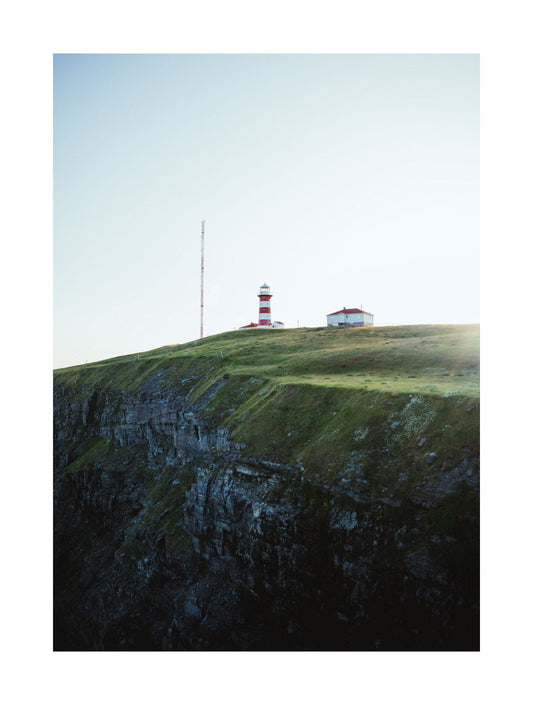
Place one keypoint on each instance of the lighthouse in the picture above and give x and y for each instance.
(264, 306)
(265, 318)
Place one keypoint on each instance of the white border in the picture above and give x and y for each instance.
(31, 33)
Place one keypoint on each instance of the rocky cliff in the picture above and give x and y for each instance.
(175, 530)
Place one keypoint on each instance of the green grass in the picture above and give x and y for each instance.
(428, 359)
(319, 396)
(167, 495)
(89, 453)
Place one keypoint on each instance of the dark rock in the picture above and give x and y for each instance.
(167, 538)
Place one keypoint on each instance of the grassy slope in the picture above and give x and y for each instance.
(321, 396)
(434, 359)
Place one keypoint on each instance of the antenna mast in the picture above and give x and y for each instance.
(202, 284)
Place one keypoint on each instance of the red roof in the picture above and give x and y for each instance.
(348, 310)
(256, 325)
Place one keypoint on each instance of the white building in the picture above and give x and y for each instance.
(347, 317)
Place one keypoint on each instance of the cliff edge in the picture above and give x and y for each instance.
(307, 489)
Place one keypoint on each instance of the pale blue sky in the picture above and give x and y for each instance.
(340, 180)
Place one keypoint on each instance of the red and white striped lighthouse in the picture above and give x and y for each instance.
(264, 306)
(265, 320)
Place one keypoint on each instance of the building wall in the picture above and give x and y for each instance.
(351, 319)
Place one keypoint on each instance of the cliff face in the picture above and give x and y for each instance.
(167, 539)
(170, 534)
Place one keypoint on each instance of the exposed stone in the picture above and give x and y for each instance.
(171, 539)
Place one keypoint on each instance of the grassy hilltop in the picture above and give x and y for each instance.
(319, 396)
(425, 359)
